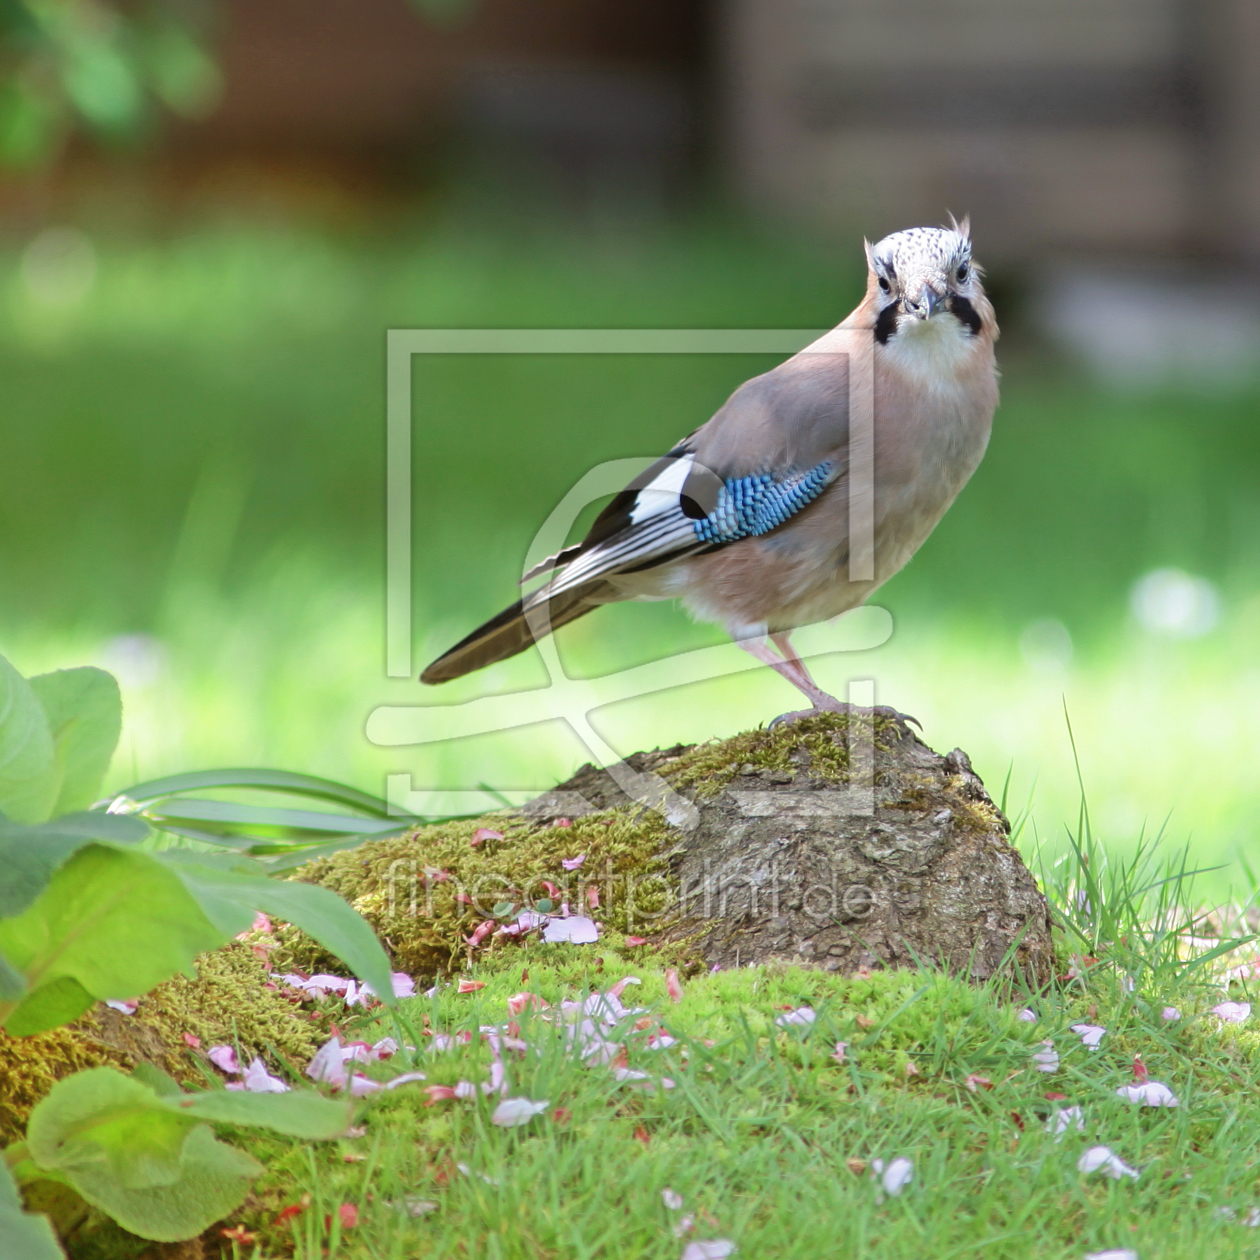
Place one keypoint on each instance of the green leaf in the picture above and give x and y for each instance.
(30, 855)
(319, 912)
(502, 908)
(29, 777)
(262, 780)
(157, 1080)
(84, 712)
(102, 1118)
(544, 905)
(264, 821)
(301, 1113)
(49, 1006)
(115, 922)
(21, 1234)
(12, 982)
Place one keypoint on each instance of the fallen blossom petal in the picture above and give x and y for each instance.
(405, 1079)
(672, 1200)
(632, 1078)
(572, 864)
(660, 1040)
(1232, 1012)
(402, 984)
(562, 822)
(673, 985)
(1149, 1094)
(512, 1112)
(192, 1041)
(349, 1215)
(1170, 1015)
(592, 896)
(636, 940)
(896, 1176)
(482, 834)
(239, 1234)
(1103, 1159)
(1064, 1119)
(976, 1083)
(286, 1214)
(418, 1207)
(1090, 1034)
(1047, 1058)
(224, 1058)
(439, 1093)
(470, 986)
(1027, 1016)
(521, 1001)
(620, 987)
(386, 1048)
(465, 1089)
(713, 1249)
(259, 1081)
(801, 1017)
(480, 932)
(1140, 1073)
(360, 1086)
(1117, 1253)
(468, 1172)
(841, 1048)
(328, 1065)
(577, 930)
(125, 1006)
(683, 1226)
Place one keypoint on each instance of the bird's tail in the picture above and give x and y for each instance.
(515, 629)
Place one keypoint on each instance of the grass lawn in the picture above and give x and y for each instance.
(734, 1118)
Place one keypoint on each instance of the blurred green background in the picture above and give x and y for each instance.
(192, 467)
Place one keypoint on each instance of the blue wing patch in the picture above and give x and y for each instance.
(749, 506)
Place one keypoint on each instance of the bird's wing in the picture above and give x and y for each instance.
(775, 446)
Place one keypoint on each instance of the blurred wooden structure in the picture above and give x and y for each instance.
(1101, 125)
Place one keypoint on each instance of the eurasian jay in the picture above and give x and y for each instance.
(747, 520)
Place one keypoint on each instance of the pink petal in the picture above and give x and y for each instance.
(552, 891)
(360, 1085)
(976, 1083)
(713, 1249)
(261, 922)
(259, 1081)
(512, 1112)
(403, 984)
(1047, 1058)
(192, 1041)
(224, 1058)
(673, 985)
(405, 1079)
(127, 1006)
(802, 1017)
(386, 1048)
(519, 1001)
(562, 822)
(470, 986)
(592, 896)
(620, 987)
(841, 1047)
(328, 1065)
(1090, 1034)
(1149, 1094)
(1232, 1012)
(349, 1215)
(465, 1089)
(571, 864)
(636, 940)
(1027, 1016)
(1104, 1159)
(480, 932)
(1170, 1015)
(672, 1200)
(439, 1093)
(482, 834)
(577, 930)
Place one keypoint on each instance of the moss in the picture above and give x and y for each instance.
(813, 747)
(424, 892)
(31, 1066)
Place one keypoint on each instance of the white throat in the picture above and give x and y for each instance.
(933, 350)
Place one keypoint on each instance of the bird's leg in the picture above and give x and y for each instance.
(791, 667)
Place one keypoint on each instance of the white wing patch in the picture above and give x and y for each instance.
(663, 492)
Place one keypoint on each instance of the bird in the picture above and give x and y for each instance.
(746, 521)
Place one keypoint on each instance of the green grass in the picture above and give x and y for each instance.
(769, 1140)
(194, 454)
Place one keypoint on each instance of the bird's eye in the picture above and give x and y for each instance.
(883, 284)
(962, 271)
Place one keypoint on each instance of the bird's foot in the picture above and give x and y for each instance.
(841, 706)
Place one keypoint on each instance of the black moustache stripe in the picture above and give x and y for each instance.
(965, 313)
(886, 324)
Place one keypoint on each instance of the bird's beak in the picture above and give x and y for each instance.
(926, 304)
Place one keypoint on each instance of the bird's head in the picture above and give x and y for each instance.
(923, 275)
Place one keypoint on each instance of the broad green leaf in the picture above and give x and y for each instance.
(319, 912)
(29, 776)
(213, 1182)
(49, 1006)
(21, 1234)
(260, 780)
(30, 855)
(101, 1118)
(301, 1113)
(116, 922)
(84, 712)
(158, 1081)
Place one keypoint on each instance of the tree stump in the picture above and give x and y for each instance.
(841, 844)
